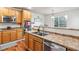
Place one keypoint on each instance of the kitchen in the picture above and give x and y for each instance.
(39, 29)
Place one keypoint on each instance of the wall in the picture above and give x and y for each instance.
(72, 21)
(48, 21)
(41, 21)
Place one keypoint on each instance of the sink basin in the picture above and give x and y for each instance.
(41, 33)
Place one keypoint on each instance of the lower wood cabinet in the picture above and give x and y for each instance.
(26, 40)
(19, 33)
(10, 35)
(34, 43)
(38, 46)
(31, 43)
(13, 35)
(6, 36)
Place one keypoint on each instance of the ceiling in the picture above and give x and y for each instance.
(50, 10)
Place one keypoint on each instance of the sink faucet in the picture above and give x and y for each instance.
(40, 29)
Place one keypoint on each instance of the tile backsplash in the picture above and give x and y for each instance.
(4, 25)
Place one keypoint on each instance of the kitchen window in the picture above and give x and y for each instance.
(60, 21)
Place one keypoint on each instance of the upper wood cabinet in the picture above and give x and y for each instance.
(18, 17)
(12, 12)
(0, 37)
(5, 11)
(29, 15)
(26, 15)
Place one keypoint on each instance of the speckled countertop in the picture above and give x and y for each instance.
(68, 42)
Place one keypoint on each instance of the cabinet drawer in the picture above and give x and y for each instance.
(38, 39)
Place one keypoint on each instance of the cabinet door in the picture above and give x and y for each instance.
(25, 15)
(5, 11)
(11, 12)
(31, 37)
(6, 36)
(29, 15)
(18, 17)
(26, 39)
(13, 35)
(19, 34)
(38, 46)
(0, 37)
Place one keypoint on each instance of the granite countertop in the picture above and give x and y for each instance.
(68, 42)
(1, 29)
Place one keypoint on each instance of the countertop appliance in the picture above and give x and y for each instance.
(6, 19)
(9, 19)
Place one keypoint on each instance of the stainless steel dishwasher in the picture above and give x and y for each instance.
(51, 46)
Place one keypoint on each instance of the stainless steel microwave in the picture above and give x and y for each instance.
(8, 19)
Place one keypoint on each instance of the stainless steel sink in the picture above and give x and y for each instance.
(41, 33)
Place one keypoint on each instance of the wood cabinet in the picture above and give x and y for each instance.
(13, 35)
(26, 15)
(5, 11)
(38, 44)
(19, 33)
(34, 43)
(6, 36)
(31, 38)
(29, 15)
(11, 12)
(21, 15)
(10, 35)
(27, 40)
(0, 37)
(18, 17)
